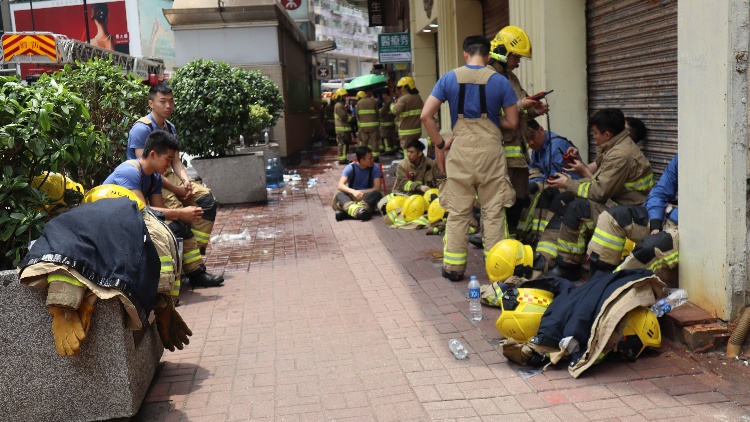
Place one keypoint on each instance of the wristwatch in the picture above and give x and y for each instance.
(441, 145)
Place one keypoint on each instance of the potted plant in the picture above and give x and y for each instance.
(216, 103)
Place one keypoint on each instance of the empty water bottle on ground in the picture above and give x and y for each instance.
(458, 349)
(475, 306)
(675, 298)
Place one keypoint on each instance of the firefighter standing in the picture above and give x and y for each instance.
(369, 124)
(388, 135)
(330, 122)
(407, 108)
(509, 45)
(342, 120)
(477, 96)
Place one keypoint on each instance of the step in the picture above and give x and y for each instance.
(695, 328)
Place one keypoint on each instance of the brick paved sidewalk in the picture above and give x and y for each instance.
(322, 320)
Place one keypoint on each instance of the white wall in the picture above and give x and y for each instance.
(255, 45)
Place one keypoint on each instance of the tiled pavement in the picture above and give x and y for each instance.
(322, 320)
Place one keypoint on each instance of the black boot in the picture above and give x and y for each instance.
(452, 275)
(364, 214)
(597, 265)
(565, 270)
(341, 215)
(476, 240)
(204, 279)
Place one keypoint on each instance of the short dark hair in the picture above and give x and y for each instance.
(608, 120)
(159, 89)
(638, 129)
(477, 44)
(416, 144)
(533, 124)
(160, 141)
(362, 151)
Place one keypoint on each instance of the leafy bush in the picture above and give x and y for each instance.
(43, 127)
(114, 101)
(259, 119)
(213, 103)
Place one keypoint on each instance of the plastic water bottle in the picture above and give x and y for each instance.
(475, 306)
(271, 179)
(675, 298)
(458, 349)
(278, 173)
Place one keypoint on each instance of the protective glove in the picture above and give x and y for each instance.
(172, 329)
(67, 329)
(533, 188)
(85, 309)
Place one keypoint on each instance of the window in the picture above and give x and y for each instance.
(344, 66)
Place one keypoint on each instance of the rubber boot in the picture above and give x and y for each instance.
(341, 215)
(476, 240)
(565, 270)
(364, 214)
(597, 265)
(452, 275)
(203, 279)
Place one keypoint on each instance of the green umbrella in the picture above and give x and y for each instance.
(366, 83)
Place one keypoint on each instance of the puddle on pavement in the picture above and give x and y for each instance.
(268, 233)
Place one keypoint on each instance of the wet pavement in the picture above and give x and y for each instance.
(324, 321)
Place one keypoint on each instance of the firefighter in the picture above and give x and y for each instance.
(623, 177)
(509, 45)
(418, 173)
(359, 188)
(653, 227)
(180, 191)
(330, 123)
(388, 135)
(369, 124)
(342, 119)
(407, 107)
(143, 178)
(478, 97)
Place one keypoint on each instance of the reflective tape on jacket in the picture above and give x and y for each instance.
(166, 264)
(360, 112)
(576, 248)
(583, 190)
(343, 128)
(191, 256)
(643, 184)
(64, 278)
(407, 113)
(200, 237)
(387, 124)
(548, 248)
(407, 132)
(670, 260)
(513, 151)
(175, 291)
(368, 124)
(607, 240)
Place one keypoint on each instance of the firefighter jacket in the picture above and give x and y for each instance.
(514, 141)
(342, 118)
(407, 110)
(386, 117)
(108, 243)
(367, 114)
(328, 113)
(410, 177)
(662, 196)
(623, 175)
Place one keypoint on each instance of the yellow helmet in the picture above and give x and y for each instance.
(360, 95)
(640, 329)
(510, 39)
(413, 208)
(339, 94)
(431, 195)
(407, 81)
(509, 257)
(522, 311)
(435, 212)
(57, 186)
(395, 203)
(111, 191)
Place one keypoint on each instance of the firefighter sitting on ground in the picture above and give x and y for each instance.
(359, 188)
(652, 226)
(179, 191)
(143, 178)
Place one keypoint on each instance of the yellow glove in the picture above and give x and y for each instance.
(172, 329)
(68, 331)
(85, 309)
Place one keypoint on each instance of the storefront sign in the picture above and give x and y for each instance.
(394, 48)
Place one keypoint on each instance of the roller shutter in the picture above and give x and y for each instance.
(495, 13)
(632, 65)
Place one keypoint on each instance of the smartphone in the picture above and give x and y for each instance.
(539, 96)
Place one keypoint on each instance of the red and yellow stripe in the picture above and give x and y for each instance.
(29, 45)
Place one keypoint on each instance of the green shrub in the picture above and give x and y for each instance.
(43, 127)
(213, 103)
(259, 120)
(114, 101)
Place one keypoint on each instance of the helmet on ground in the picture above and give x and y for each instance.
(509, 257)
(339, 94)
(510, 39)
(413, 208)
(395, 203)
(629, 246)
(406, 81)
(111, 191)
(640, 329)
(522, 311)
(64, 190)
(360, 95)
(431, 195)
(435, 212)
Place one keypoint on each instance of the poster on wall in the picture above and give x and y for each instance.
(107, 21)
(157, 37)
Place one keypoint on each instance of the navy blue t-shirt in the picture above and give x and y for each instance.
(361, 176)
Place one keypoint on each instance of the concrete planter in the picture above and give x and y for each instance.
(107, 380)
(235, 179)
(271, 150)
